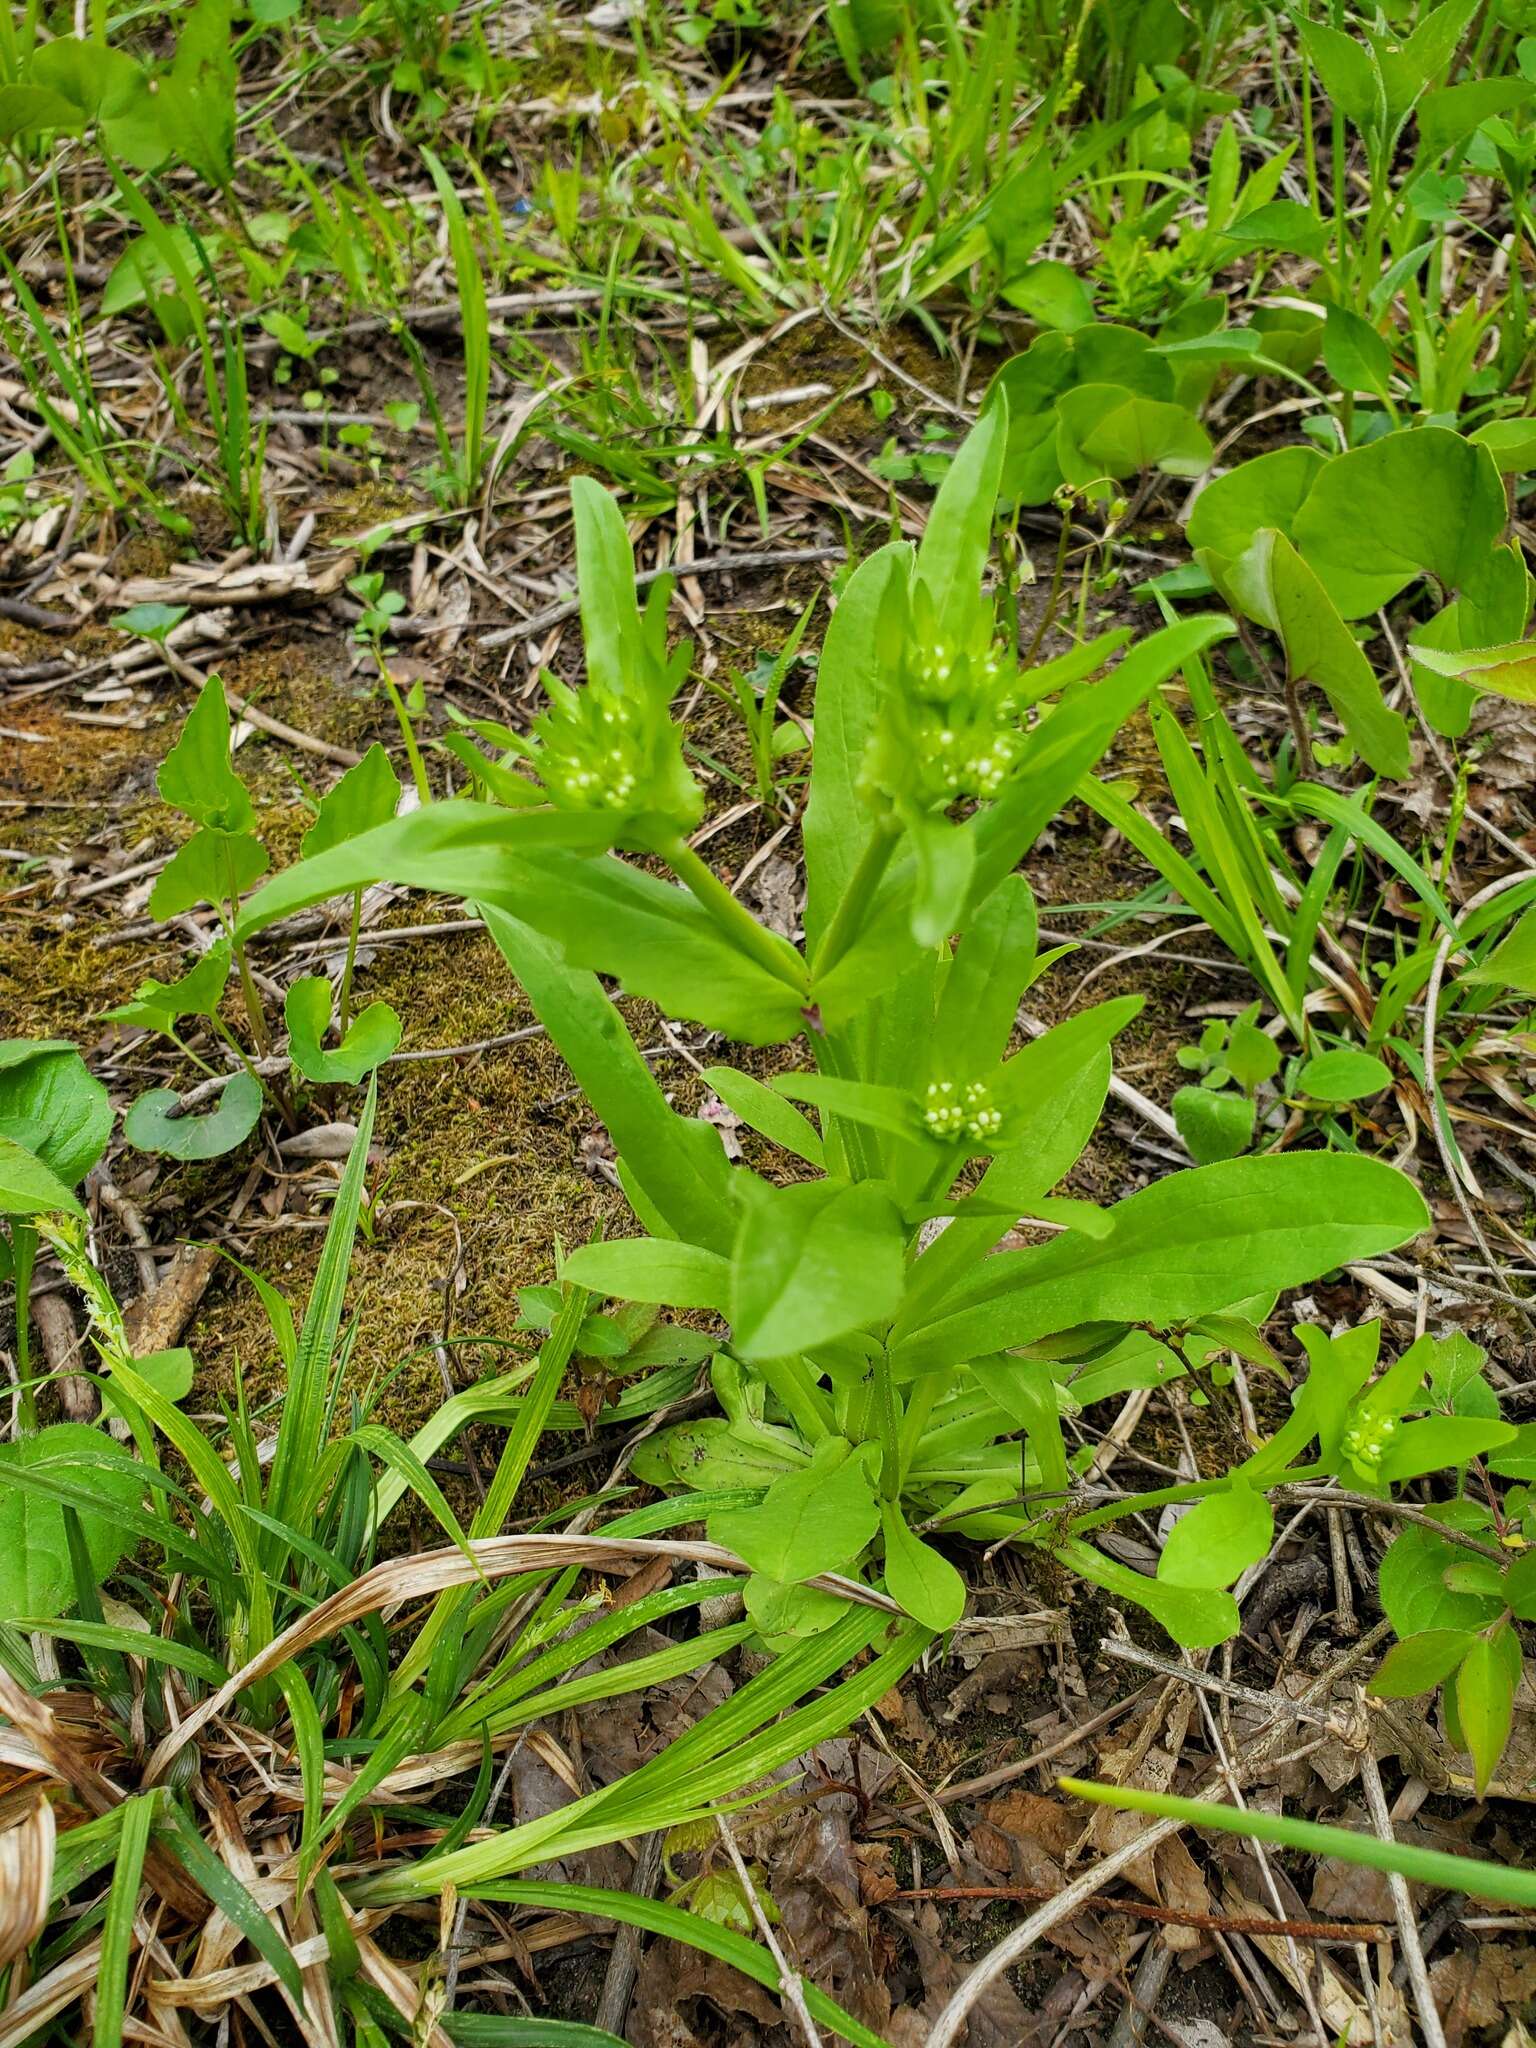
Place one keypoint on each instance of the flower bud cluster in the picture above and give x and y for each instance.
(950, 1111)
(601, 752)
(1365, 1443)
(949, 720)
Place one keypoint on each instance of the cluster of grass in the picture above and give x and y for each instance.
(1156, 370)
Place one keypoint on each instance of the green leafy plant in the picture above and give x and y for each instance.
(260, 1586)
(875, 1369)
(216, 866)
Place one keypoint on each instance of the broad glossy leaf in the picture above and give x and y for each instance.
(1273, 584)
(1508, 671)
(98, 79)
(1420, 1662)
(212, 867)
(1485, 1700)
(1420, 502)
(205, 1135)
(1413, 1592)
(24, 109)
(812, 1262)
(1213, 1122)
(1343, 1075)
(371, 1036)
(55, 1089)
(27, 1187)
(1107, 431)
(1270, 491)
(1511, 443)
(652, 1269)
(1186, 1246)
(364, 797)
(809, 1521)
(36, 1578)
(1033, 383)
(1214, 1542)
(926, 1583)
(196, 776)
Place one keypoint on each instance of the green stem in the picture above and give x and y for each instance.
(344, 1002)
(920, 1407)
(407, 730)
(849, 915)
(890, 1445)
(253, 1010)
(734, 919)
(23, 1259)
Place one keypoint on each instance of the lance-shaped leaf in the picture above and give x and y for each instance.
(1273, 584)
(1184, 1247)
(196, 776)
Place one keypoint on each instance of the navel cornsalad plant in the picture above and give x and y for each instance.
(880, 1358)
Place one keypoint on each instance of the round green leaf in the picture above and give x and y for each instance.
(1217, 1540)
(1213, 1123)
(150, 1125)
(1343, 1075)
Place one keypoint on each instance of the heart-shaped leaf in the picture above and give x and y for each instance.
(364, 797)
(370, 1038)
(150, 1125)
(160, 1005)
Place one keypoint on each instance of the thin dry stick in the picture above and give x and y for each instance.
(789, 1980)
(1407, 1926)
